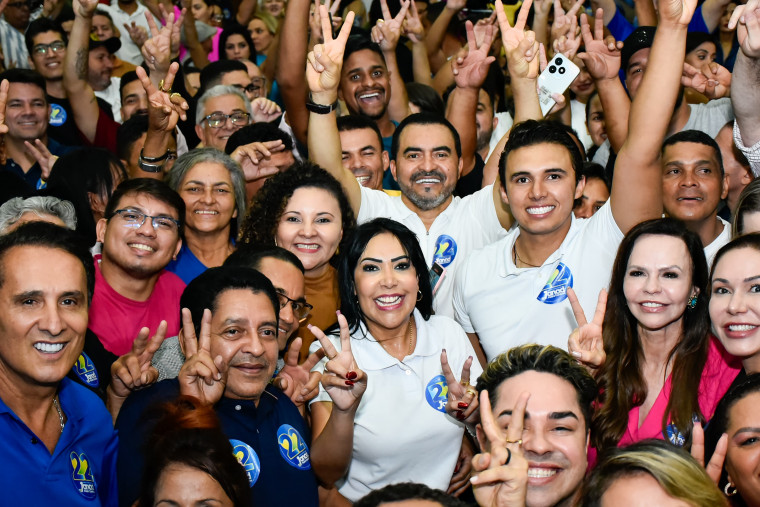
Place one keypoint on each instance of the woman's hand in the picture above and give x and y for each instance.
(326, 60)
(715, 466)
(585, 342)
(519, 44)
(462, 397)
(164, 108)
(342, 379)
(601, 55)
(387, 31)
(297, 381)
(251, 158)
(201, 376)
(156, 51)
(502, 470)
(264, 110)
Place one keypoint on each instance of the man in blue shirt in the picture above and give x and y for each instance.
(230, 366)
(59, 446)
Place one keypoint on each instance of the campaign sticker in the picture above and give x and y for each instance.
(248, 458)
(84, 368)
(555, 290)
(437, 393)
(84, 482)
(57, 115)
(445, 250)
(673, 435)
(293, 448)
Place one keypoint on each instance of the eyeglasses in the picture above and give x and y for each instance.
(301, 309)
(256, 88)
(42, 49)
(216, 120)
(135, 219)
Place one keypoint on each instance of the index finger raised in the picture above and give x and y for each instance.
(154, 31)
(324, 20)
(327, 345)
(385, 10)
(522, 16)
(517, 421)
(492, 431)
(204, 340)
(575, 8)
(601, 308)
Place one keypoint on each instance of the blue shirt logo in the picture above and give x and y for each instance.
(85, 370)
(445, 250)
(293, 448)
(437, 393)
(81, 475)
(555, 290)
(57, 115)
(247, 457)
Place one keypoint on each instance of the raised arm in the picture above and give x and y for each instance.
(712, 10)
(386, 33)
(745, 86)
(323, 77)
(437, 32)
(414, 30)
(80, 93)
(636, 187)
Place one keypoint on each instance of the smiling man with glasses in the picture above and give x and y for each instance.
(221, 111)
(140, 235)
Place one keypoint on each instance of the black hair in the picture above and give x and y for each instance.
(424, 119)
(151, 187)
(426, 98)
(533, 132)
(593, 170)
(351, 253)
(236, 30)
(393, 493)
(25, 76)
(250, 256)
(359, 42)
(352, 122)
(260, 132)
(697, 137)
(47, 235)
(212, 73)
(128, 134)
(42, 25)
(204, 290)
(126, 78)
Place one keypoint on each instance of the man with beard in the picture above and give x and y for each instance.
(140, 234)
(427, 165)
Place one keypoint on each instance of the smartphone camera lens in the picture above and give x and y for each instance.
(561, 70)
(552, 69)
(559, 61)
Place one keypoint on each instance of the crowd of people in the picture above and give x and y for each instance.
(295, 253)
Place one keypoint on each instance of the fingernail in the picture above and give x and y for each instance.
(460, 415)
(575, 353)
(337, 312)
(349, 382)
(351, 375)
(456, 468)
(463, 405)
(474, 479)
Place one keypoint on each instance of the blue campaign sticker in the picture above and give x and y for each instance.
(85, 370)
(673, 435)
(445, 250)
(81, 475)
(555, 290)
(57, 115)
(247, 457)
(293, 448)
(437, 393)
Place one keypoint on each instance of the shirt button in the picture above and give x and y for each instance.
(408, 372)
(238, 407)
(35, 441)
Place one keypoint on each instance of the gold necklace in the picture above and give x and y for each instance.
(60, 414)
(411, 327)
(517, 257)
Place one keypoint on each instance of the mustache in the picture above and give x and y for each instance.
(427, 174)
(249, 359)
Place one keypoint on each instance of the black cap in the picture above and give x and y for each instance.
(641, 38)
(112, 45)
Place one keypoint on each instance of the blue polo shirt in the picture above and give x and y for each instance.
(271, 441)
(82, 468)
(33, 175)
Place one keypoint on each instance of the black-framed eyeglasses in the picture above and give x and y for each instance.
(56, 46)
(135, 219)
(256, 88)
(301, 308)
(217, 120)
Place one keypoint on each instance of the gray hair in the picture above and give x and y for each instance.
(184, 163)
(218, 91)
(13, 209)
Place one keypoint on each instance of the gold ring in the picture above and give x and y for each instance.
(161, 87)
(472, 392)
(518, 442)
(465, 383)
(175, 95)
(380, 21)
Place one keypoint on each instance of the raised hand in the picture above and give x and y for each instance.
(137, 33)
(84, 8)
(43, 157)
(715, 466)
(264, 110)
(315, 20)
(602, 56)
(563, 21)
(520, 45)
(342, 379)
(297, 381)
(746, 20)
(413, 28)
(3, 127)
(326, 60)
(156, 51)
(718, 80)
(585, 342)
(481, 28)
(676, 12)
(252, 159)
(471, 70)
(388, 30)
(502, 470)
(569, 43)
(462, 398)
(164, 108)
(133, 370)
(201, 376)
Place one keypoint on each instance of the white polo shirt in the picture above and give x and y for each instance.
(464, 226)
(129, 51)
(401, 430)
(508, 306)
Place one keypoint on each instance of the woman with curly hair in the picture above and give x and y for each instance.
(305, 211)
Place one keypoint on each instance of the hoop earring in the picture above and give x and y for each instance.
(692, 302)
(419, 295)
(729, 489)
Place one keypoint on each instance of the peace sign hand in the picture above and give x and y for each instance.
(342, 379)
(201, 376)
(463, 398)
(133, 370)
(156, 51)
(715, 467)
(471, 70)
(601, 56)
(326, 60)
(502, 471)
(413, 27)
(569, 43)
(297, 381)
(519, 44)
(585, 342)
(164, 109)
(388, 30)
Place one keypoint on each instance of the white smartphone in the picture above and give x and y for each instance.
(556, 78)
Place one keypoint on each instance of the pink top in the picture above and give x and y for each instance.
(116, 320)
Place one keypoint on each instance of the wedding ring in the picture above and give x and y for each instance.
(518, 442)
(175, 95)
(161, 87)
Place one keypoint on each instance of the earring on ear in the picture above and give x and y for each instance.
(729, 489)
(419, 295)
(692, 302)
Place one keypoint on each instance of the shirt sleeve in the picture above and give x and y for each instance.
(751, 152)
(460, 306)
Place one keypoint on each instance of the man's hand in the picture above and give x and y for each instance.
(471, 70)
(563, 21)
(325, 61)
(569, 43)
(201, 376)
(297, 381)
(676, 12)
(84, 8)
(264, 110)
(602, 56)
(746, 19)
(156, 51)
(133, 370)
(252, 159)
(520, 45)
(137, 33)
(164, 109)
(388, 30)
(43, 156)
(413, 28)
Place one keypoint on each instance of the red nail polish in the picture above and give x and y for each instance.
(349, 382)
(463, 405)
(351, 375)
(460, 415)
